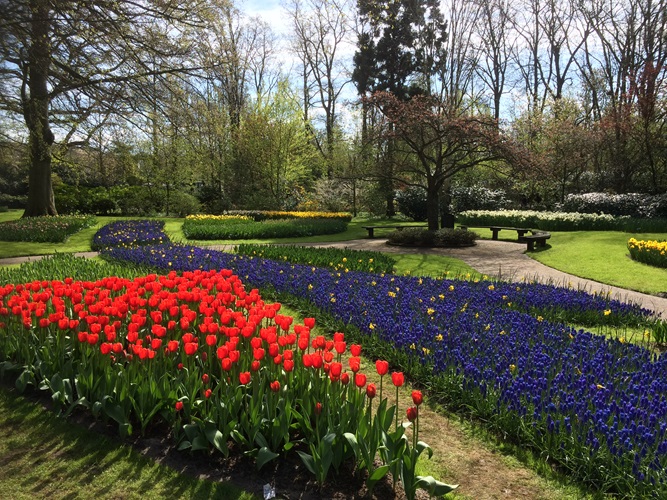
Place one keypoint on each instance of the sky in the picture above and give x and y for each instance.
(270, 11)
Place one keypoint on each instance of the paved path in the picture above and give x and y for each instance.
(507, 260)
(497, 259)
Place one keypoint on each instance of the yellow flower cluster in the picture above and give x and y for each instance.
(307, 215)
(648, 246)
(650, 252)
(204, 217)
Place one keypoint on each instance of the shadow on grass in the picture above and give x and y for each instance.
(44, 456)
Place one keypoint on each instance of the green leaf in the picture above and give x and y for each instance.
(434, 487)
(377, 474)
(422, 446)
(308, 462)
(125, 430)
(264, 456)
(184, 445)
(352, 441)
(261, 440)
(24, 379)
(216, 438)
(199, 443)
(191, 431)
(115, 412)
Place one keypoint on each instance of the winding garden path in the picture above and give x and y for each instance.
(496, 259)
(507, 260)
(483, 470)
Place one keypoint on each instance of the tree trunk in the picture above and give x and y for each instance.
(36, 112)
(432, 205)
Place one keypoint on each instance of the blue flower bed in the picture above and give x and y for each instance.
(596, 406)
(129, 233)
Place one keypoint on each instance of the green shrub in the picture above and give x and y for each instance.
(412, 202)
(183, 204)
(335, 258)
(4, 208)
(478, 198)
(137, 201)
(454, 238)
(44, 229)
(13, 201)
(560, 221)
(634, 205)
(212, 229)
(415, 236)
(84, 200)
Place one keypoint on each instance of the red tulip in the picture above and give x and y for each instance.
(417, 397)
(336, 369)
(318, 408)
(412, 413)
(254, 366)
(309, 322)
(207, 393)
(288, 365)
(179, 405)
(382, 367)
(360, 380)
(190, 348)
(397, 379)
(205, 378)
(244, 378)
(340, 347)
(371, 391)
(275, 386)
(355, 364)
(345, 378)
(355, 350)
(226, 364)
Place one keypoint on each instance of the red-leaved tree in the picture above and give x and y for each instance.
(438, 142)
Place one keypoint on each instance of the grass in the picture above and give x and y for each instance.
(435, 266)
(42, 456)
(603, 256)
(46, 457)
(597, 255)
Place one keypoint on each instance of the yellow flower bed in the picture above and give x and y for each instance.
(204, 217)
(650, 252)
(306, 215)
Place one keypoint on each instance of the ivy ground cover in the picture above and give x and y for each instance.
(596, 406)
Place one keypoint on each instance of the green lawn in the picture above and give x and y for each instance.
(603, 256)
(597, 255)
(46, 457)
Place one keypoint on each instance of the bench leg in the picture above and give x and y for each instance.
(370, 232)
(495, 234)
(531, 245)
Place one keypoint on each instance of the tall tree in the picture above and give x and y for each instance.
(495, 47)
(56, 56)
(399, 47)
(321, 30)
(437, 143)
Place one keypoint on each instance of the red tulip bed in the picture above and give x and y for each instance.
(211, 359)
